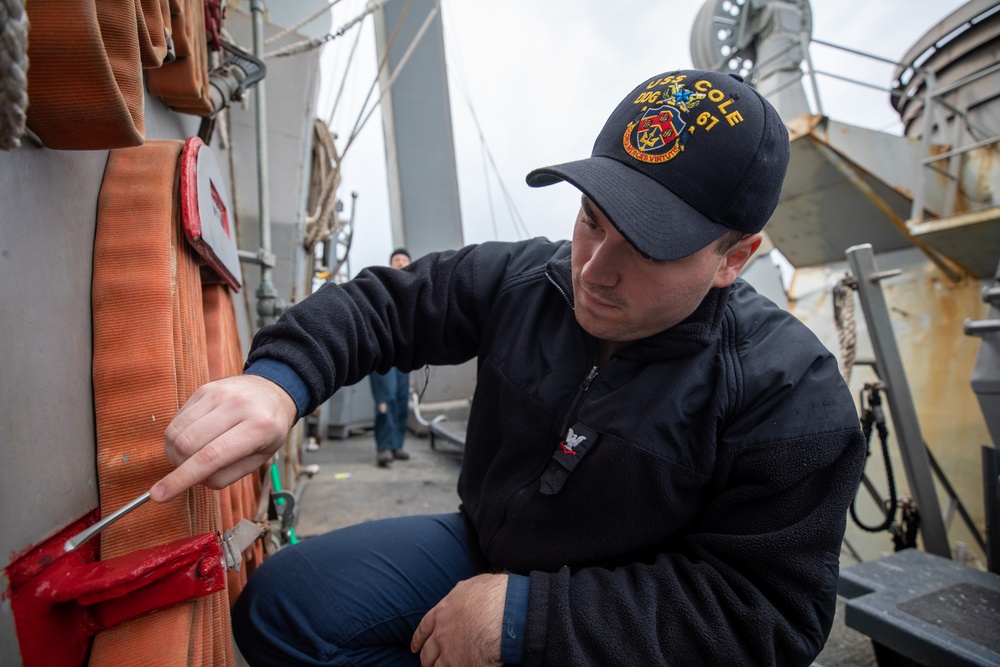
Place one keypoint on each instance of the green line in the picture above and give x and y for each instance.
(276, 484)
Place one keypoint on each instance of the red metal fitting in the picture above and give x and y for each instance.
(61, 600)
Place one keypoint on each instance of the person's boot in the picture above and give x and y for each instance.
(384, 458)
(400, 455)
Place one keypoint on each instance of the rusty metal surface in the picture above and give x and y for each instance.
(927, 312)
(886, 157)
(849, 185)
(970, 239)
(821, 213)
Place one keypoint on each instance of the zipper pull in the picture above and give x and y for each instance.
(590, 378)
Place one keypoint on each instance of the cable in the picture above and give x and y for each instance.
(427, 381)
(399, 68)
(309, 44)
(305, 21)
(904, 532)
(874, 414)
(343, 80)
(457, 74)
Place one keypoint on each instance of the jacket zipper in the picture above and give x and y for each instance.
(569, 417)
(574, 406)
(569, 302)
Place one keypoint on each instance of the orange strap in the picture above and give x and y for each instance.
(157, 337)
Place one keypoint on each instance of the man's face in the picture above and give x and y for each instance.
(622, 296)
(399, 261)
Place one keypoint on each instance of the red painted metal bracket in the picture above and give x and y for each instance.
(61, 600)
(206, 212)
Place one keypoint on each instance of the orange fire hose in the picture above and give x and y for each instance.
(158, 335)
(150, 16)
(183, 84)
(84, 77)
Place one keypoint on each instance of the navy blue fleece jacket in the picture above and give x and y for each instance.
(682, 503)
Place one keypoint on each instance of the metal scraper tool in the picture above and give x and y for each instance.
(84, 535)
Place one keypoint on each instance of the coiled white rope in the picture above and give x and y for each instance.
(843, 318)
(321, 219)
(13, 73)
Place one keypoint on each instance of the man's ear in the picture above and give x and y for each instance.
(736, 258)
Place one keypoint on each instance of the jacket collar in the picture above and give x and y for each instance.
(698, 331)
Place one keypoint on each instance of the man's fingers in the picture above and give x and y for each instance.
(423, 631)
(430, 653)
(197, 406)
(181, 443)
(191, 472)
(227, 429)
(222, 461)
(465, 627)
(211, 411)
(171, 486)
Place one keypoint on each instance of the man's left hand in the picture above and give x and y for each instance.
(464, 628)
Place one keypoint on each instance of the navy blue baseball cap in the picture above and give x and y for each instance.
(684, 158)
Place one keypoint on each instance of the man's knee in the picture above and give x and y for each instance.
(253, 614)
(271, 622)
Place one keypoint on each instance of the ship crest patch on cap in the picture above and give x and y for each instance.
(668, 118)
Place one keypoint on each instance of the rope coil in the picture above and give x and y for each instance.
(14, 73)
(321, 221)
(843, 318)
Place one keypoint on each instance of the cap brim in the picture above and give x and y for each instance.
(653, 219)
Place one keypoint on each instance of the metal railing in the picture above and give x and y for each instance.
(934, 103)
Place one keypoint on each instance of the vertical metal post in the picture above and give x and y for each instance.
(904, 415)
(804, 39)
(930, 83)
(267, 295)
(954, 165)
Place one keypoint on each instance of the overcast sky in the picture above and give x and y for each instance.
(542, 77)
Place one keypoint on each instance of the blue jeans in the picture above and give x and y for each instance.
(353, 596)
(393, 389)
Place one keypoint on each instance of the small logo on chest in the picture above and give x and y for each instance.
(571, 442)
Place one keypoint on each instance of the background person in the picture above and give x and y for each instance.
(391, 391)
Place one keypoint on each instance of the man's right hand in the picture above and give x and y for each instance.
(227, 429)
